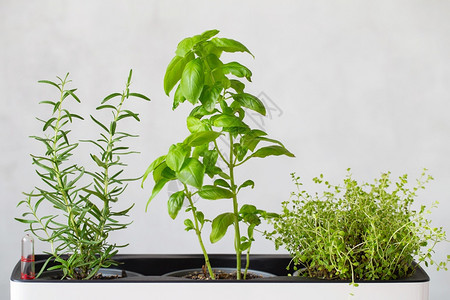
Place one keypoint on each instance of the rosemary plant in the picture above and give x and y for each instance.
(82, 215)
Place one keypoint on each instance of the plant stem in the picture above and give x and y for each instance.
(199, 233)
(237, 234)
(247, 264)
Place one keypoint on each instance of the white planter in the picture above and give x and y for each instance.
(155, 287)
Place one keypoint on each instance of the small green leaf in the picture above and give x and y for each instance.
(237, 70)
(208, 34)
(237, 86)
(192, 173)
(200, 138)
(137, 95)
(156, 189)
(112, 127)
(250, 102)
(213, 62)
(175, 203)
(152, 167)
(195, 124)
(189, 224)
(185, 46)
(220, 225)
(105, 106)
(200, 217)
(109, 97)
(229, 45)
(51, 83)
(271, 150)
(221, 182)
(26, 221)
(100, 124)
(97, 161)
(177, 154)
(174, 71)
(71, 92)
(192, 80)
(200, 111)
(211, 192)
(210, 95)
(178, 98)
(228, 121)
(48, 123)
(246, 184)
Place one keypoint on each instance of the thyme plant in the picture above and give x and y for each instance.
(82, 216)
(358, 231)
(218, 143)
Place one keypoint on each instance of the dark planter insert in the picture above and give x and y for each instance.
(153, 266)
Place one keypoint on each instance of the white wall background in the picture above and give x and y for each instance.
(360, 84)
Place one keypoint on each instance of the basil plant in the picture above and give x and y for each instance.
(218, 143)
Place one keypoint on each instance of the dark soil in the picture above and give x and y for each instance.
(219, 275)
(100, 276)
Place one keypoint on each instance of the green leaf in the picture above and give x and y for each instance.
(105, 106)
(174, 71)
(213, 62)
(250, 102)
(152, 167)
(178, 98)
(211, 192)
(163, 171)
(246, 184)
(210, 158)
(199, 150)
(271, 150)
(201, 137)
(97, 161)
(48, 123)
(100, 124)
(200, 217)
(221, 182)
(71, 92)
(228, 121)
(109, 97)
(229, 45)
(112, 127)
(137, 95)
(175, 203)
(251, 139)
(192, 173)
(25, 221)
(210, 95)
(51, 83)
(237, 70)
(185, 46)
(189, 224)
(220, 225)
(156, 189)
(237, 86)
(200, 111)
(192, 80)
(195, 125)
(208, 34)
(129, 77)
(177, 154)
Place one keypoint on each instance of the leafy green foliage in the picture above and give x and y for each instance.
(357, 231)
(83, 215)
(214, 87)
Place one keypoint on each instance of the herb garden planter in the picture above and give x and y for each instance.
(153, 285)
